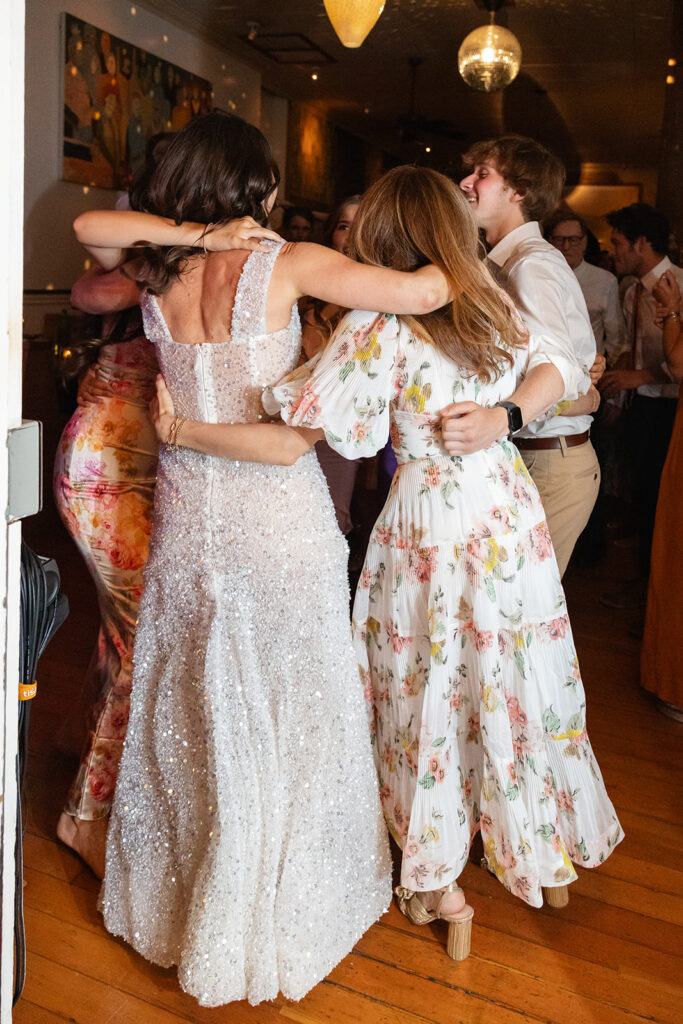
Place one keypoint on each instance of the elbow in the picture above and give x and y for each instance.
(79, 299)
(557, 386)
(292, 454)
(430, 300)
(676, 371)
(86, 297)
(80, 227)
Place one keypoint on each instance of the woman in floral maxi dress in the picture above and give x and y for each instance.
(104, 476)
(460, 620)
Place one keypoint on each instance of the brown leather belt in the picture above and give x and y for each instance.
(543, 443)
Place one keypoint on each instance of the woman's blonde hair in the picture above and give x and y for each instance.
(413, 216)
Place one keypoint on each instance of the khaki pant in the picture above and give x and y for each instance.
(568, 480)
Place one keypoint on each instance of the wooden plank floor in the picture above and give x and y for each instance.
(613, 956)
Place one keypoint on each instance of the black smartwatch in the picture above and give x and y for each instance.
(515, 421)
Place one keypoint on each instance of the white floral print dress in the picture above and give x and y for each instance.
(460, 623)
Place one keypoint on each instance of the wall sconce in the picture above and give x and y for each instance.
(352, 20)
(490, 57)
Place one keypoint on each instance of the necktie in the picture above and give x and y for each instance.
(634, 323)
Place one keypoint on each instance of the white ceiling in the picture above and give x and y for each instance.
(592, 83)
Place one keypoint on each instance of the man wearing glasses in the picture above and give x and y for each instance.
(569, 234)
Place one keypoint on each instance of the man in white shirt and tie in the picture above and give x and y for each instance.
(640, 239)
(515, 183)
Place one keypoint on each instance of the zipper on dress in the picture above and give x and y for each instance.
(202, 377)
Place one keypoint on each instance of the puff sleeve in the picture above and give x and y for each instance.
(346, 389)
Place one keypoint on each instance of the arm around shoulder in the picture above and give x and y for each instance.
(328, 275)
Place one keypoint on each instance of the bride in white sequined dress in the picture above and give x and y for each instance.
(246, 842)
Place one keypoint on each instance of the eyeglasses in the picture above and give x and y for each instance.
(560, 240)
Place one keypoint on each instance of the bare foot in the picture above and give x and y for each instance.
(86, 838)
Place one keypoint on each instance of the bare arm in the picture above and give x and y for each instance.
(107, 234)
(309, 269)
(668, 297)
(468, 427)
(673, 348)
(585, 405)
(629, 380)
(100, 291)
(270, 443)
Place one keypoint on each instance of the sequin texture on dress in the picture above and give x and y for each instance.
(246, 842)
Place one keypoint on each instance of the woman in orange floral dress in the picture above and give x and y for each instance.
(104, 478)
(662, 651)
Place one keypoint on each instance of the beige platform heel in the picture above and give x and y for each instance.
(459, 925)
(556, 896)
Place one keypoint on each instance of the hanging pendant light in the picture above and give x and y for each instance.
(352, 20)
(490, 57)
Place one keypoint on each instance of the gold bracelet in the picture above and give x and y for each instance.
(173, 431)
(183, 421)
(674, 315)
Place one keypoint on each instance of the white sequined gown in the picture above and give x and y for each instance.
(246, 842)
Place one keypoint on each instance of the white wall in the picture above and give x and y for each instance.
(11, 167)
(52, 256)
(274, 115)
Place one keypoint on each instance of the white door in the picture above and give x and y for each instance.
(11, 262)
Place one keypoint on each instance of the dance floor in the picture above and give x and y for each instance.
(613, 956)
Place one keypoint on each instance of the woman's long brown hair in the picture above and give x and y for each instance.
(216, 168)
(413, 216)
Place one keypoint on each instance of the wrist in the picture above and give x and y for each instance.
(514, 420)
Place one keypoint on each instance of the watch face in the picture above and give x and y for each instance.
(515, 421)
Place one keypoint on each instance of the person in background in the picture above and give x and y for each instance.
(297, 224)
(662, 651)
(317, 321)
(104, 476)
(639, 240)
(515, 183)
(569, 234)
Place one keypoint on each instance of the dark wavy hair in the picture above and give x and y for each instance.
(216, 168)
(640, 220)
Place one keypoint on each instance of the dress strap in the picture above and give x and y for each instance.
(249, 309)
(156, 328)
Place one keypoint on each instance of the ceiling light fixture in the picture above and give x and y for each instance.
(490, 57)
(352, 20)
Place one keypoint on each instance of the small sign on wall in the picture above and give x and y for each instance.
(116, 96)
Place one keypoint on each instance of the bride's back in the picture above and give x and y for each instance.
(216, 348)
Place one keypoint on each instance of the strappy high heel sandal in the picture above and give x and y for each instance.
(459, 925)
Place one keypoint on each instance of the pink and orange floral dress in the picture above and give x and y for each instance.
(104, 477)
(460, 624)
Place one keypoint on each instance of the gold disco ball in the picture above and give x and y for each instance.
(489, 58)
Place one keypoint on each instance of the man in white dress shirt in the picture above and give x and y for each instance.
(640, 238)
(514, 184)
(569, 234)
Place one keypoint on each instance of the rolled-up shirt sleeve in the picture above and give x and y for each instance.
(543, 305)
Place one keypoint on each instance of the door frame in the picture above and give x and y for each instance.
(11, 285)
